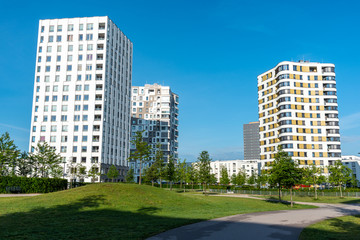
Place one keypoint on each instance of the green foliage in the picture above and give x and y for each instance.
(130, 176)
(192, 175)
(284, 171)
(93, 172)
(170, 173)
(142, 153)
(339, 175)
(181, 171)
(262, 179)
(224, 176)
(151, 174)
(112, 173)
(33, 185)
(8, 155)
(203, 165)
(252, 179)
(239, 178)
(312, 176)
(45, 162)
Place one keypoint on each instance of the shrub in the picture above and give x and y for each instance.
(32, 185)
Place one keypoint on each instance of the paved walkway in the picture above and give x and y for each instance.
(20, 195)
(286, 224)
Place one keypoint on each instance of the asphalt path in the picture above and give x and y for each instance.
(286, 224)
(20, 195)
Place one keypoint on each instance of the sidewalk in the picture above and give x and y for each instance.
(20, 195)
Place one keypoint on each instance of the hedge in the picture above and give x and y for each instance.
(32, 185)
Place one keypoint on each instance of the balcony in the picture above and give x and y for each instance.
(100, 47)
(98, 107)
(98, 77)
(98, 97)
(102, 26)
(99, 87)
(101, 36)
(96, 128)
(99, 67)
(99, 57)
(97, 118)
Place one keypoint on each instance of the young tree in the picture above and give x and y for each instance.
(24, 165)
(181, 172)
(261, 179)
(312, 175)
(93, 172)
(46, 162)
(339, 175)
(142, 153)
(204, 169)
(170, 172)
(233, 179)
(81, 171)
(224, 176)
(151, 174)
(294, 176)
(8, 154)
(191, 175)
(284, 171)
(130, 176)
(252, 179)
(241, 177)
(159, 163)
(113, 173)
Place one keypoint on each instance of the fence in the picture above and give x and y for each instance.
(287, 193)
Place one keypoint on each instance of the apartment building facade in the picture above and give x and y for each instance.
(250, 167)
(251, 141)
(298, 110)
(81, 103)
(155, 111)
(352, 162)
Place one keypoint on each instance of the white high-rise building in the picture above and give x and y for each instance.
(81, 103)
(298, 110)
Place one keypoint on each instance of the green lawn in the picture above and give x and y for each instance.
(115, 211)
(347, 228)
(319, 200)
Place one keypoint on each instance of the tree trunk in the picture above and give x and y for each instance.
(340, 191)
(152, 183)
(316, 192)
(291, 199)
(192, 185)
(280, 192)
(180, 184)
(170, 185)
(140, 175)
(160, 183)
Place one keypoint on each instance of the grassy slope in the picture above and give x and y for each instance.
(347, 228)
(114, 211)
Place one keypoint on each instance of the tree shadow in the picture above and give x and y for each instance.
(148, 210)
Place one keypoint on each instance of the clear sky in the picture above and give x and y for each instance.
(209, 52)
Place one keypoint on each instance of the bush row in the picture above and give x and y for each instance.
(31, 185)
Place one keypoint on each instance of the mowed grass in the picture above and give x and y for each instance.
(321, 199)
(115, 211)
(347, 228)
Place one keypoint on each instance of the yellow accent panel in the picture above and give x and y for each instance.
(317, 162)
(305, 69)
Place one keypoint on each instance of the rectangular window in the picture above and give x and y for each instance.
(58, 58)
(70, 48)
(86, 87)
(77, 97)
(76, 118)
(64, 128)
(58, 38)
(69, 58)
(80, 57)
(54, 98)
(89, 37)
(81, 37)
(89, 26)
(53, 118)
(68, 78)
(85, 117)
(71, 27)
(74, 149)
(84, 138)
(89, 47)
(58, 48)
(53, 128)
(63, 118)
(51, 38)
(65, 98)
(59, 28)
(81, 27)
(88, 67)
(88, 77)
(48, 59)
(79, 77)
(47, 79)
(48, 49)
(69, 67)
(78, 88)
(89, 57)
(70, 38)
(47, 69)
(86, 97)
(66, 88)
(51, 28)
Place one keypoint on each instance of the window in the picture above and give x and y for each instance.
(47, 69)
(63, 118)
(46, 108)
(51, 39)
(43, 129)
(64, 128)
(76, 128)
(63, 149)
(53, 128)
(84, 139)
(69, 58)
(75, 138)
(48, 49)
(89, 26)
(70, 48)
(81, 47)
(65, 98)
(81, 37)
(53, 118)
(34, 129)
(77, 107)
(51, 28)
(89, 47)
(77, 97)
(40, 49)
(42, 29)
(45, 118)
(47, 79)
(39, 59)
(89, 37)
(47, 89)
(37, 79)
(66, 88)
(64, 108)
(85, 128)
(59, 28)
(68, 78)
(71, 27)
(38, 69)
(70, 38)
(86, 97)
(80, 58)
(79, 77)
(48, 59)
(86, 87)
(76, 118)
(69, 67)
(78, 88)
(88, 67)
(53, 108)
(58, 48)
(81, 27)
(85, 117)
(83, 149)
(85, 107)
(89, 57)
(88, 77)
(74, 148)
(58, 58)
(54, 98)
(55, 88)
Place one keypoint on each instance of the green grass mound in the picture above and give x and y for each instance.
(347, 228)
(115, 211)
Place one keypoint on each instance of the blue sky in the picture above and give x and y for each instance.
(209, 52)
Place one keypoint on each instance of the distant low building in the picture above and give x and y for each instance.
(352, 162)
(250, 167)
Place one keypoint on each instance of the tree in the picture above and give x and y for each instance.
(130, 176)
(46, 162)
(151, 174)
(24, 165)
(8, 154)
(284, 171)
(312, 175)
(191, 175)
(170, 172)
(241, 177)
(252, 179)
(181, 171)
(81, 171)
(113, 173)
(339, 175)
(159, 163)
(142, 152)
(224, 176)
(204, 169)
(262, 179)
(233, 179)
(93, 172)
